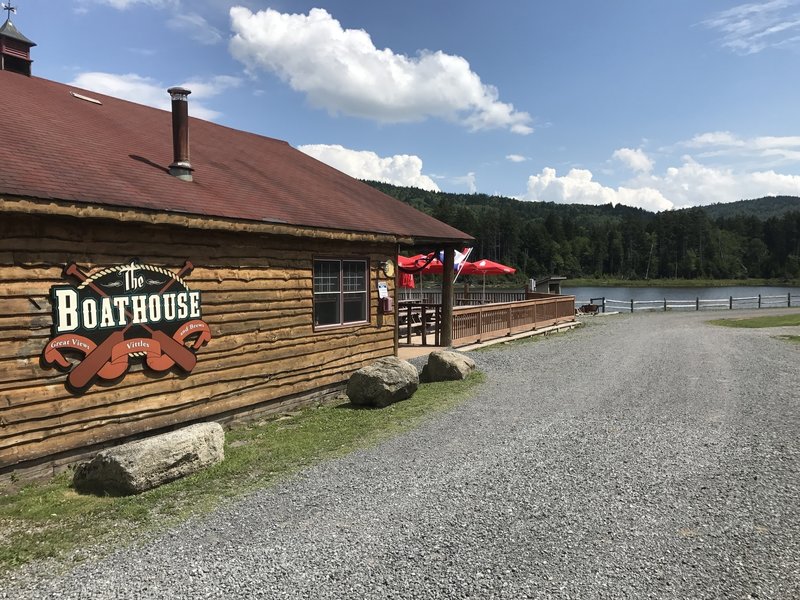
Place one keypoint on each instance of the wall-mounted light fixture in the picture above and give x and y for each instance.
(387, 266)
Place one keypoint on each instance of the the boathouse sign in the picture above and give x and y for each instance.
(126, 312)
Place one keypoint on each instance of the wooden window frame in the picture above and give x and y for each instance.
(341, 292)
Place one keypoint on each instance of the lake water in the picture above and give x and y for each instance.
(685, 297)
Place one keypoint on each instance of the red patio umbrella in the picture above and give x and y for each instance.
(425, 264)
(486, 267)
(406, 280)
(418, 260)
(434, 264)
(434, 267)
(412, 263)
(409, 262)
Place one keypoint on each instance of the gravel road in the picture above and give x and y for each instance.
(642, 456)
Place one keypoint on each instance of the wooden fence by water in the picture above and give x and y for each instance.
(696, 303)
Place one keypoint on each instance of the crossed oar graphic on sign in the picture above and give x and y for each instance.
(83, 372)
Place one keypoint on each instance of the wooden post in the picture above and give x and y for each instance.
(631, 304)
(789, 300)
(730, 303)
(408, 324)
(423, 331)
(759, 301)
(396, 304)
(604, 304)
(665, 305)
(447, 295)
(697, 303)
(509, 320)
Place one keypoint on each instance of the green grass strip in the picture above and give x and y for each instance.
(50, 520)
(792, 319)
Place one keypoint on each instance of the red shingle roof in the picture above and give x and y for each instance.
(56, 146)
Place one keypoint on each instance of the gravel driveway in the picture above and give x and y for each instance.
(642, 456)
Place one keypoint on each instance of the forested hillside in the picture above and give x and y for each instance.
(541, 238)
(763, 208)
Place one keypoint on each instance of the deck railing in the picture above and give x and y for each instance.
(420, 322)
(473, 324)
(460, 297)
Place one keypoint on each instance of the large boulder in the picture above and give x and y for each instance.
(382, 383)
(444, 365)
(138, 466)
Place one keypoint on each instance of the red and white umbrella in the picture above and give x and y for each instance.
(486, 267)
(411, 262)
(421, 264)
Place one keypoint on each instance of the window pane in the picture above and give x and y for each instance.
(326, 309)
(326, 276)
(355, 276)
(355, 307)
(340, 292)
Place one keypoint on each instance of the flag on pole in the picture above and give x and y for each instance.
(461, 260)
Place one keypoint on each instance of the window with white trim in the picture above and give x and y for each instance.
(340, 292)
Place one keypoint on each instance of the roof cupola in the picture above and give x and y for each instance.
(15, 48)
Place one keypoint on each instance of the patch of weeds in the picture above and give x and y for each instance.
(50, 520)
(794, 339)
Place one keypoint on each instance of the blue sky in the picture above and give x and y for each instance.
(660, 104)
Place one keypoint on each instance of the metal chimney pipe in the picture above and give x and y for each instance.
(180, 167)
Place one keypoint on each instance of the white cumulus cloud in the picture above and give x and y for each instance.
(696, 184)
(342, 71)
(469, 180)
(516, 158)
(400, 169)
(636, 160)
(579, 187)
(689, 184)
(144, 90)
(771, 142)
(714, 138)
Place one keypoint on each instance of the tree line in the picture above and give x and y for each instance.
(543, 238)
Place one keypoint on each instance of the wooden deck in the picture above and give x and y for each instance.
(420, 323)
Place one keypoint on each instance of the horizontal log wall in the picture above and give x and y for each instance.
(256, 297)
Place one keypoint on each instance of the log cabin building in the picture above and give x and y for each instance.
(147, 281)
